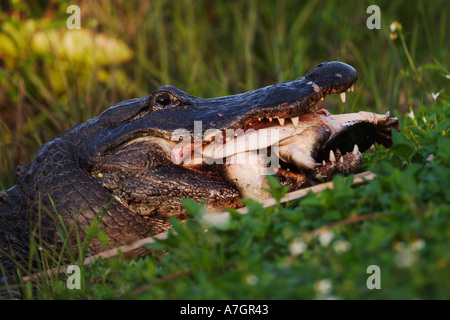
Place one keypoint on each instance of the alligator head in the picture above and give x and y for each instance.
(139, 158)
(223, 148)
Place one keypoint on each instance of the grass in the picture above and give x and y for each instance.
(210, 49)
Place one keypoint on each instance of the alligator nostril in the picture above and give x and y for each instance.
(319, 65)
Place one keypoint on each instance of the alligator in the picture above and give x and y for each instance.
(138, 159)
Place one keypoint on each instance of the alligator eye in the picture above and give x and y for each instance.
(163, 99)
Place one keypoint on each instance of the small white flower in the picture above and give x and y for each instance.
(297, 246)
(448, 76)
(323, 286)
(342, 246)
(435, 95)
(251, 279)
(325, 237)
(418, 244)
(393, 26)
(411, 115)
(405, 258)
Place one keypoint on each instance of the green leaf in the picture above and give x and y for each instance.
(403, 150)
(441, 127)
(276, 190)
(192, 207)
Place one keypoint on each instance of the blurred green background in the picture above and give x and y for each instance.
(52, 78)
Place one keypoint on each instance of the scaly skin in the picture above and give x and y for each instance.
(129, 164)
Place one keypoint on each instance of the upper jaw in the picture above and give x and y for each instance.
(291, 99)
(282, 100)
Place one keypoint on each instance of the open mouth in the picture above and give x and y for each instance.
(312, 142)
(262, 132)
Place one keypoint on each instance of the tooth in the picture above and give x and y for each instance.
(295, 121)
(341, 160)
(270, 119)
(281, 121)
(259, 119)
(209, 137)
(342, 95)
(332, 157)
(322, 99)
(355, 150)
(324, 163)
(352, 88)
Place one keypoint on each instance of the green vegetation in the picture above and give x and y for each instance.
(216, 48)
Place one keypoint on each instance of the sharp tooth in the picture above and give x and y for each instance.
(352, 88)
(322, 99)
(295, 121)
(341, 160)
(324, 163)
(342, 95)
(332, 157)
(281, 121)
(355, 150)
(259, 119)
(209, 137)
(270, 119)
